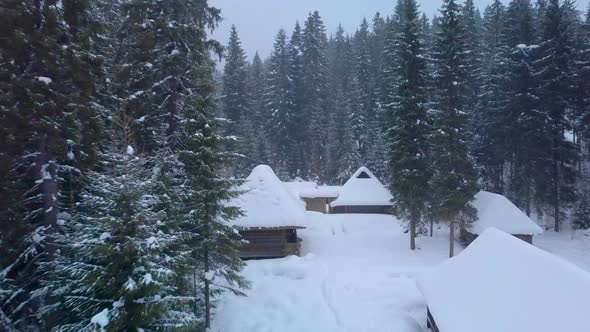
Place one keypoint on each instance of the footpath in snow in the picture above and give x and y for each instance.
(356, 274)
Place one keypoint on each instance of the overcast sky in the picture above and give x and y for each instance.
(259, 20)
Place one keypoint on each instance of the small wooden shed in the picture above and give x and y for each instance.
(270, 242)
(363, 193)
(318, 199)
(500, 283)
(497, 211)
(272, 217)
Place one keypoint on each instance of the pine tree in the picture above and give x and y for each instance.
(236, 103)
(583, 80)
(454, 181)
(473, 60)
(490, 116)
(299, 159)
(113, 262)
(279, 103)
(554, 79)
(582, 212)
(342, 155)
(48, 131)
(342, 158)
(409, 125)
(257, 90)
(523, 106)
(314, 62)
(168, 92)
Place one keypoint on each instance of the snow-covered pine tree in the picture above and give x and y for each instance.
(473, 60)
(257, 114)
(582, 212)
(236, 103)
(555, 81)
(169, 93)
(209, 244)
(364, 75)
(409, 126)
(523, 114)
(540, 8)
(47, 129)
(454, 182)
(314, 62)
(377, 39)
(113, 271)
(342, 156)
(279, 104)
(368, 129)
(490, 114)
(297, 166)
(583, 79)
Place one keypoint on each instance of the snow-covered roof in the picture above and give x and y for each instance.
(266, 202)
(297, 187)
(362, 189)
(320, 191)
(501, 283)
(497, 211)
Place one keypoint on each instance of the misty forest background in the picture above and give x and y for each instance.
(120, 144)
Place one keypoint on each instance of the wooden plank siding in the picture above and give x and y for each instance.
(367, 209)
(270, 243)
(466, 237)
(318, 204)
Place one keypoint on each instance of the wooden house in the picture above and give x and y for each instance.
(272, 217)
(500, 283)
(318, 199)
(497, 211)
(363, 193)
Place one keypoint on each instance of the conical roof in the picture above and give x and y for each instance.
(363, 189)
(266, 202)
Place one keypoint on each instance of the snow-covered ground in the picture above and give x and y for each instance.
(576, 250)
(356, 274)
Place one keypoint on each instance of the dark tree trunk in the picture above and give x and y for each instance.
(452, 238)
(413, 221)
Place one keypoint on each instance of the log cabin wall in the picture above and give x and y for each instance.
(368, 209)
(466, 237)
(270, 243)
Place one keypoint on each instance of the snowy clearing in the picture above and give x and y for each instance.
(356, 274)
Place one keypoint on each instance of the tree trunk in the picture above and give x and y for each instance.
(413, 232)
(207, 299)
(431, 227)
(452, 238)
(556, 200)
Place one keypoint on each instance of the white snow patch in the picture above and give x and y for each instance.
(148, 279)
(101, 319)
(130, 150)
(130, 284)
(44, 79)
(105, 236)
